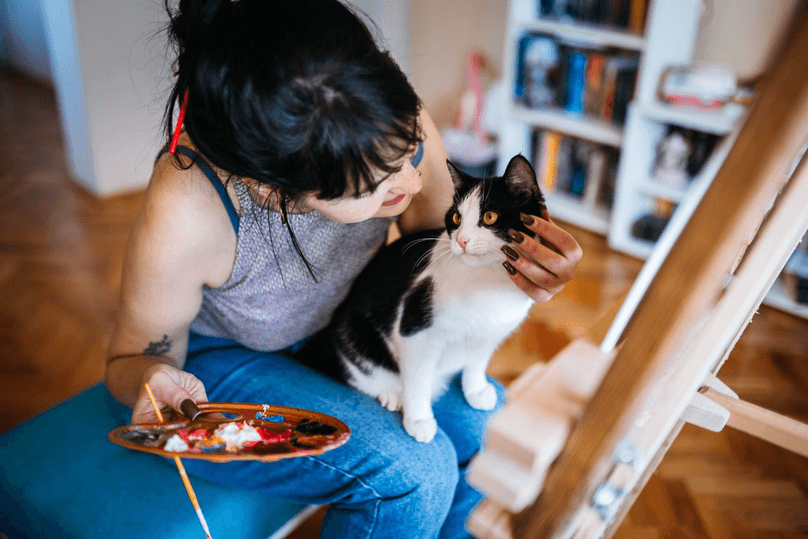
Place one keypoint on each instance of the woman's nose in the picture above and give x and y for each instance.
(410, 179)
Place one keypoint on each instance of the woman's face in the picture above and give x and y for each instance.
(392, 196)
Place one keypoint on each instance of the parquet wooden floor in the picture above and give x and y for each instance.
(60, 258)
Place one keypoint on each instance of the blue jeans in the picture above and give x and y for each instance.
(381, 483)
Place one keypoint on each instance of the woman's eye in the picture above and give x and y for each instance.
(456, 218)
(490, 217)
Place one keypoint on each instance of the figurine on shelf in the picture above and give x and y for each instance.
(670, 167)
(540, 58)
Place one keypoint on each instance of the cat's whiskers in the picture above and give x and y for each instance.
(446, 251)
(413, 242)
(426, 254)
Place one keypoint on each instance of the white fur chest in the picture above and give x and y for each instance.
(477, 302)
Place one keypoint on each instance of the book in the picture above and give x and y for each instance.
(579, 164)
(593, 92)
(623, 92)
(612, 68)
(595, 172)
(636, 16)
(546, 159)
(576, 66)
(564, 164)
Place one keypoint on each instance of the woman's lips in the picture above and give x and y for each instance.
(394, 201)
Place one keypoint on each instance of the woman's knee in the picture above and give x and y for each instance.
(422, 475)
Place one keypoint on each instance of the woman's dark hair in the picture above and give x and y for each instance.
(291, 93)
(294, 94)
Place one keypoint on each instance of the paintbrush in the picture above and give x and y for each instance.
(181, 468)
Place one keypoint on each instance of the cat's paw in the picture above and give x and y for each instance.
(423, 430)
(390, 399)
(485, 399)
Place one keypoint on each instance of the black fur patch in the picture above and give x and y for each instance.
(417, 313)
(366, 340)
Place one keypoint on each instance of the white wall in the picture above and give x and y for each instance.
(744, 33)
(59, 23)
(126, 78)
(25, 44)
(392, 17)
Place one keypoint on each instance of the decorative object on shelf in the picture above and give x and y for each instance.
(680, 155)
(467, 142)
(649, 227)
(701, 85)
(540, 58)
(670, 167)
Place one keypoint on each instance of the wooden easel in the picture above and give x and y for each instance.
(587, 431)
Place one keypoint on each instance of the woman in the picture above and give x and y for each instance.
(300, 148)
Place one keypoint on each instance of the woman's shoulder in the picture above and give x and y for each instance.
(183, 213)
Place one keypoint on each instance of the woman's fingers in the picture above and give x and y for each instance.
(562, 240)
(541, 267)
(170, 387)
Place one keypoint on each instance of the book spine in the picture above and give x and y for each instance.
(594, 84)
(636, 17)
(595, 172)
(548, 160)
(607, 104)
(574, 101)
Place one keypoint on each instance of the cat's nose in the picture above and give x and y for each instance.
(462, 242)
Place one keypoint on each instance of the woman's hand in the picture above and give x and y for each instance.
(541, 266)
(170, 386)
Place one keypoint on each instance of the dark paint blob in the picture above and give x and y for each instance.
(314, 427)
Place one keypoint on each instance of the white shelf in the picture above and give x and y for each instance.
(658, 190)
(779, 299)
(591, 35)
(632, 246)
(719, 122)
(576, 125)
(570, 209)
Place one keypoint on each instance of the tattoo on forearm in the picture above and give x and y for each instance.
(158, 348)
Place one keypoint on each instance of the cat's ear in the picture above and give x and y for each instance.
(521, 177)
(456, 174)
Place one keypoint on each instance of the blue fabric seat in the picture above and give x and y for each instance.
(61, 478)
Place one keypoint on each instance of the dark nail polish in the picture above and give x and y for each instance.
(527, 219)
(507, 266)
(517, 237)
(510, 253)
(190, 409)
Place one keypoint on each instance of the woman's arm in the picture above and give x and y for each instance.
(168, 261)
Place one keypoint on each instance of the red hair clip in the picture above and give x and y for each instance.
(180, 119)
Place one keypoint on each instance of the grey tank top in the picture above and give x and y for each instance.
(271, 300)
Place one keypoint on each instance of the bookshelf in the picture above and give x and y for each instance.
(669, 38)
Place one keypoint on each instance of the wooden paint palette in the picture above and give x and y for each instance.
(237, 431)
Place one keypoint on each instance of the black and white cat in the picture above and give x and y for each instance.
(437, 303)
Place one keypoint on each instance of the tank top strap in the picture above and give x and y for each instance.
(214, 179)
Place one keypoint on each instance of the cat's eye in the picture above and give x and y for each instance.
(456, 218)
(490, 217)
